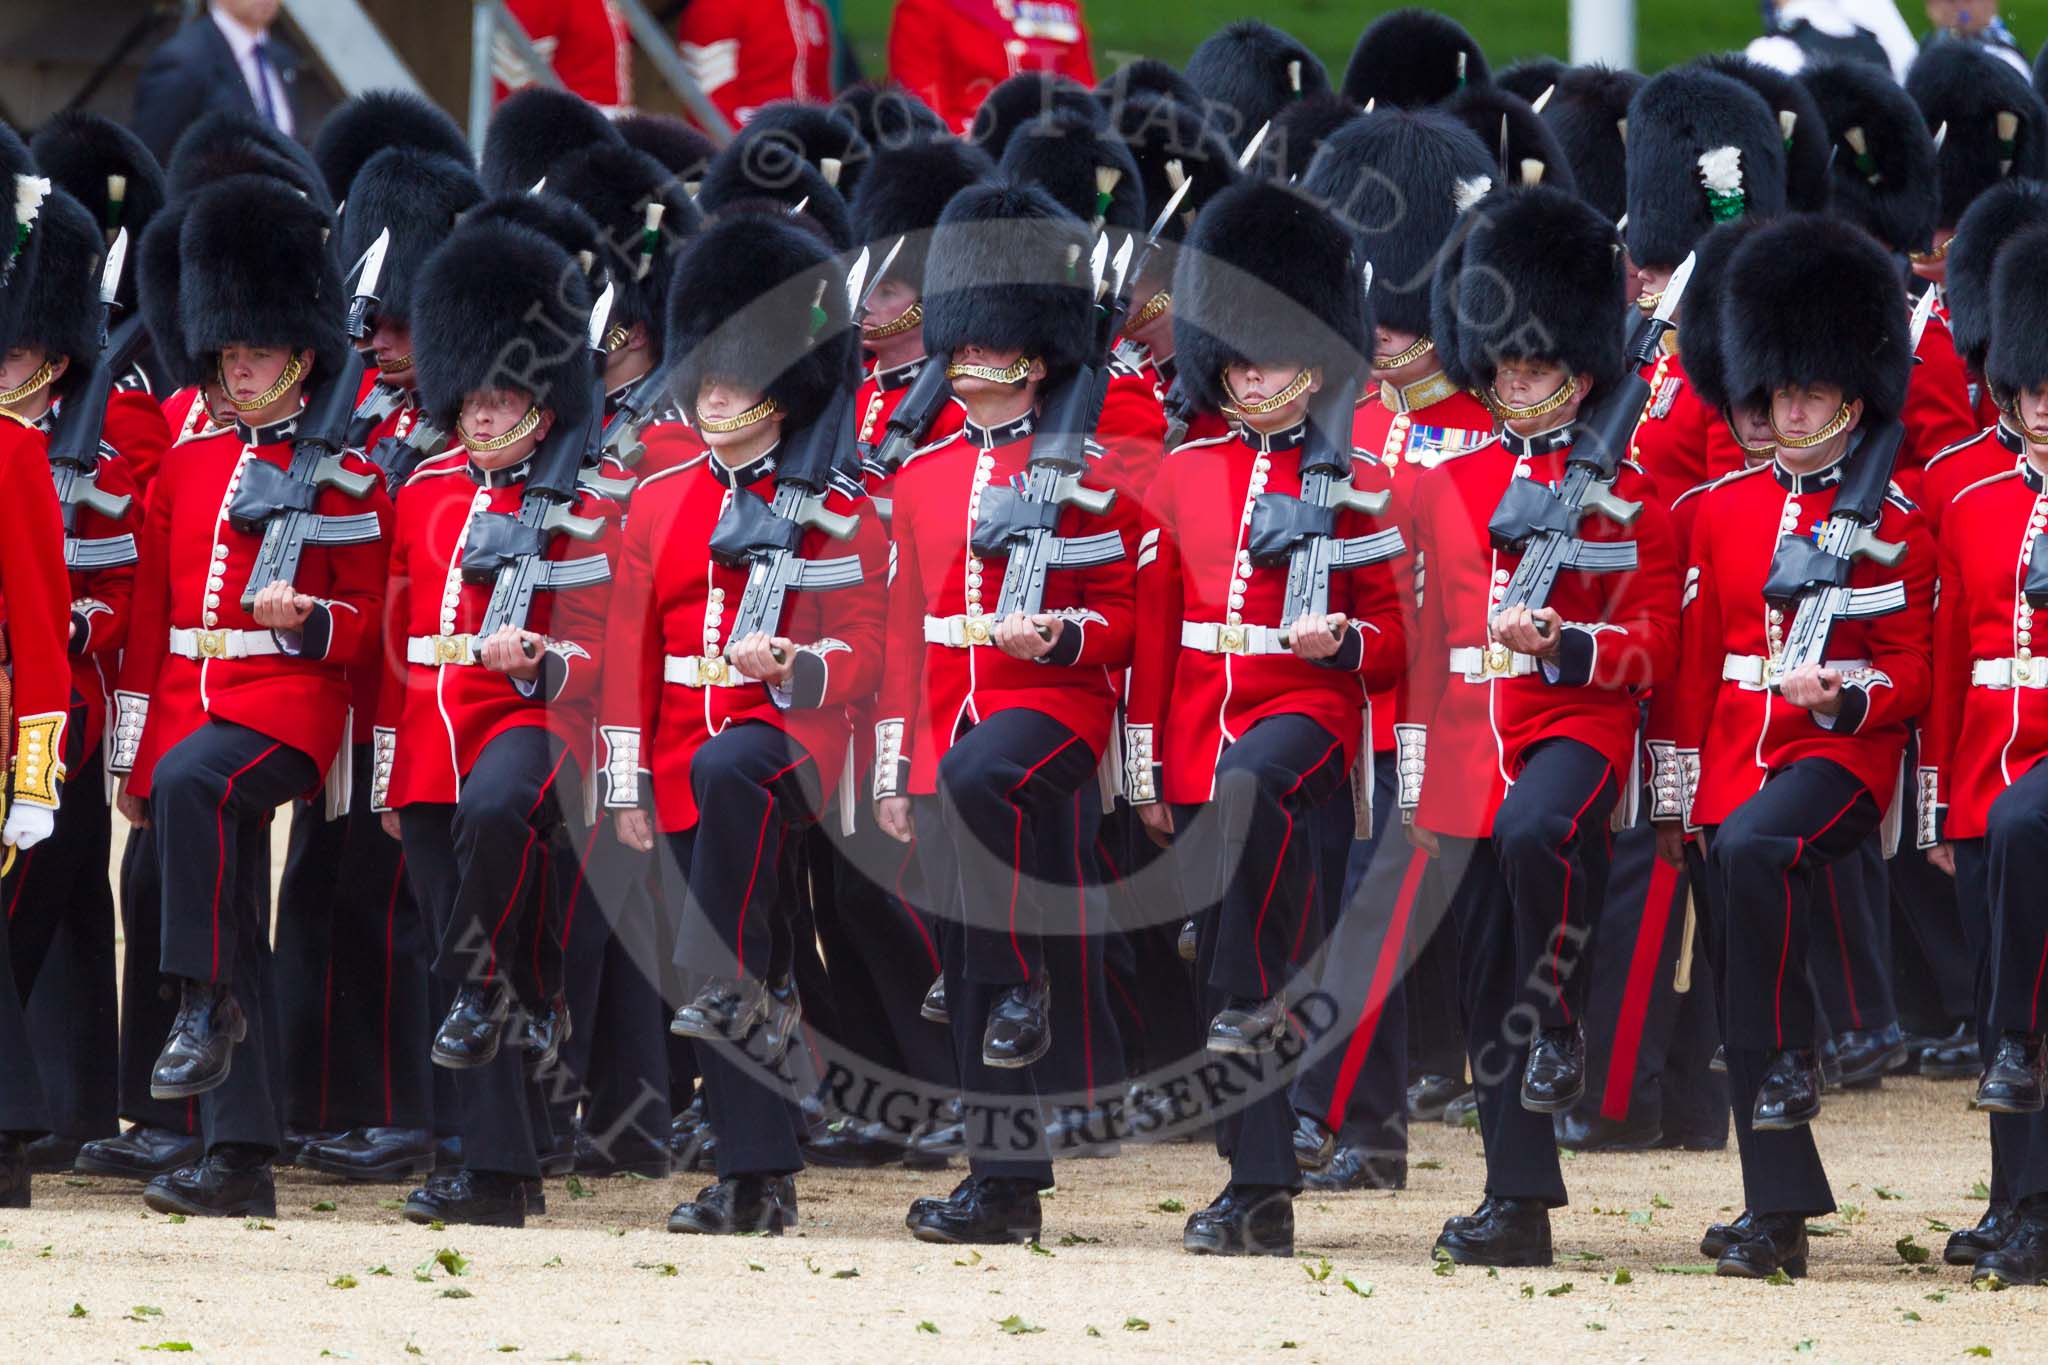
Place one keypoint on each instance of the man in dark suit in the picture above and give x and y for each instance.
(227, 59)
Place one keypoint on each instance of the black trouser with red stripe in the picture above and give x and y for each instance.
(2019, 1142)
(149, 1001)
(1936, 935)
(352, 971)
(2016, 883)
(1086, 1063)
(1852, 945)
(1523, 901)
(1358, 1085)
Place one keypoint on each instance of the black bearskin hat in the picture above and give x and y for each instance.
(61, 310)
(554, 218)
(1999, 215)
(502, 307)
(738, 179)
(1814, 299)
(1997, 127)
(255, 268)
(228, 142)
(532, 130)
(825, 135)
(1071, 160)
(889, 116)
(1171, 142)
(370, 122)
(1588, 110)
(1699, 319)
(81, 152)
(1299, 131)
(1525, 149)
(2018, 358)
(623, 191)
(1800, 126)
(1884, 177)
(20, 243)
(419, 195)
(1269, 275)
(1538, 276)
(1252, 70)
(1531, 77)
(758, 301)
(1144, 79)
(1022, 98)
(1412, 58)
(903, 194)
(1399, 179)
(674, 143)
(1703, 148)
(1008, 270)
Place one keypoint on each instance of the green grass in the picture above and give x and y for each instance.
(1667, 31)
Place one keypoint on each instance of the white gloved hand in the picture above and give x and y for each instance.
(28, 825)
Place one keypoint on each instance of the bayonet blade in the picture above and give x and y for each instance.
(601, 316)
(1173, 201)
(1251, 149)
(860, 308)
(1098, 264)
(110, 273)
(1122, 266)
(856, 280)
(1922, 311)
(369, 273)
(1674, 292)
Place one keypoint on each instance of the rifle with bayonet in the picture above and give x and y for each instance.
(1178, 403)
(1813, 573)
(764, 537)
(510, 552)
(74, 449)
(1542, 523)
(396, 456)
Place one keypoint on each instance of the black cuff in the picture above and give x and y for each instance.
(1574, 664)
(1350, 652)
(1855, 708)
(553, 677)
(1066, 646)
(81, 633)
(808, 674)
(314, 635)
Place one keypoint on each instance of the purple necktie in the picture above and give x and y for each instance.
(263, 105)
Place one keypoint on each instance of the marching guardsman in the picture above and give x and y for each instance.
(1246, 718)
(994, 722)
(1527, 685)
(351, 938)
(1886, 181)
(1247, 72)
(1703, 148)
(63, 884)
(1401, 180)
(950, 53)
(36, 601)
(1982, 776)
(499, 572)
(1790, 758)
(735, 704)
(1588, 111)
(231, 704)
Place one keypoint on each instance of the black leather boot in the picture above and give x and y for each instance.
(1355, 1168)
(1249, 1026)
(1776, 1241)
(141, 1153)
(1579, 1131)
(1790, 1093)
(725, 1011)
(2012, 1083)
(1428, 1094)
(2023, 1258)
(201, 1049)
(982, 1210)
(230, 1181)
(741, 1203)
(1314, 1144)
(373, 1155)
(785, 1014)
(478, 1198)
(1555, 1078)
(1019, 1028)
(14, 1175)
(475, 1026)
(546, 1031)
(1244, 1220)
(1966, 1246)
(1867, 1056)
(1954, 1056)
(1504, 1232)
(934, 1005)
(1721, 1236)
(53, 1154)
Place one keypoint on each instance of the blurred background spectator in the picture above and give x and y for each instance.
(585, 41)
(226, 58)
(950, 53)
(745, 53)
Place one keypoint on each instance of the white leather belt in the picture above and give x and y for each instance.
(959, 632)
(1494, 661)
(1212, 638)
(223, 644)
(433, 650)
(702, 670)
(2003, 675)
(1756, 673)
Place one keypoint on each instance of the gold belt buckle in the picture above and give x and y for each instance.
(976, 630)
(1230, 640)
(711, 670)
(213, 644)
(451, 649)
(1498, 660)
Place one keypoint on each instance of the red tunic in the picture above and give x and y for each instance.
(1979, 740)
(186, 418)
(442, 714)
(35, 609)
(1408, 430)
(1743, 733)
(1131, 430)
(585, 41)
(194, 567)
(747, 53)
(876, 402)
(1621, 635)
(1991, 451)
(931, 691)
(1194, 565)
(1938, 412)
(135, 427)
(1674, 441)
(672, 600)
(951, 53)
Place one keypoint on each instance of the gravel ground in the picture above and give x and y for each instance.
(89, 1274)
